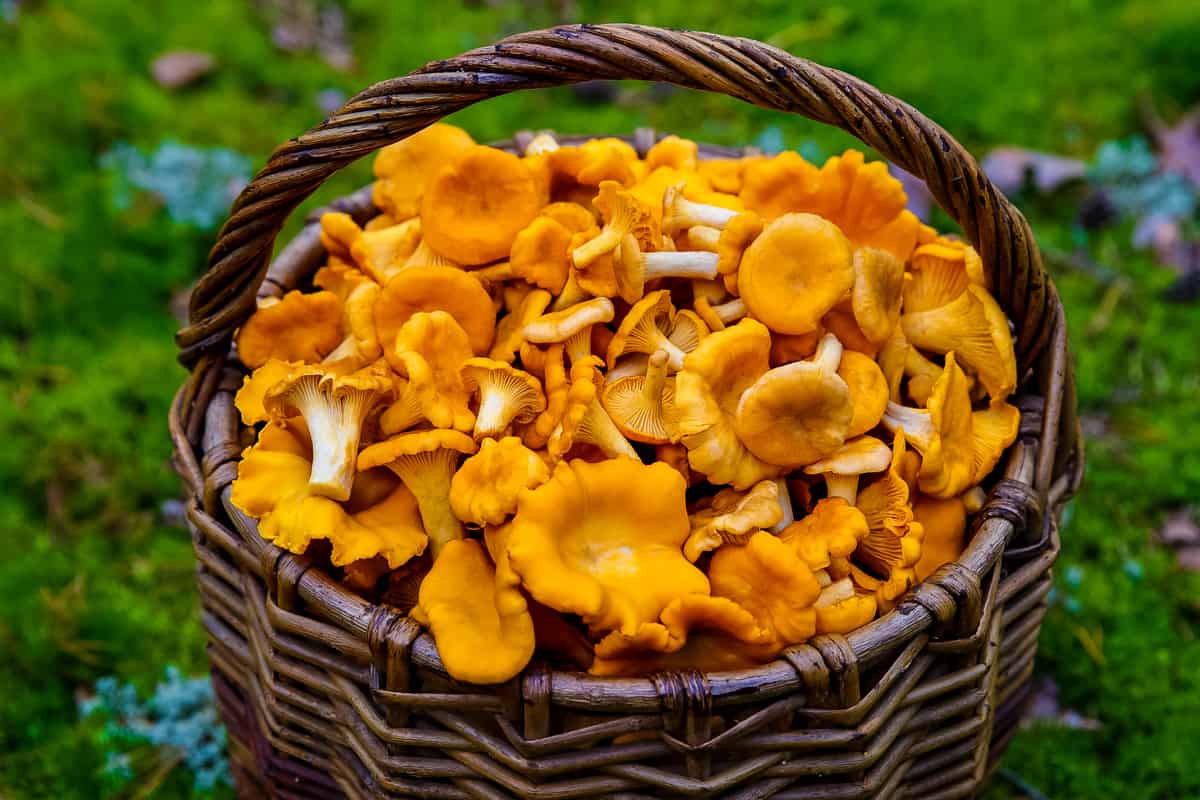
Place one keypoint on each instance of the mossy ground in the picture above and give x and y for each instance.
(94, 583)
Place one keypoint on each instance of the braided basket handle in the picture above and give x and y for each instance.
(757, 73)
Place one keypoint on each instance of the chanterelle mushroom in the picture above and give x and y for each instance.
(541, 253)
(425, 461)
(827, 537)
(958, 446)
(603, 541)
(334, 407)
(585, 421)
(795, 271)
(297, 327)
(506, 395)
(572, 326)
(622, 213)
(876, 296)
(798, 413)
(430, 350)
(645, 330)
(768, 579)
(707, 390)
(448, 289)
(634, 268)
(643, 406)
(841, 469)
(868, 391)
(404, 168)
(485, 489)
(840, 609)
(732, 517)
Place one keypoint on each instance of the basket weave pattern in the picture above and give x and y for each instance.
(328, 695)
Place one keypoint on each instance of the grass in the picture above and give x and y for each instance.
(95, 581)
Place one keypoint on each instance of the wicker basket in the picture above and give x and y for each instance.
(327, 695)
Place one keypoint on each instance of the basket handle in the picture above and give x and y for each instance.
(757, 73)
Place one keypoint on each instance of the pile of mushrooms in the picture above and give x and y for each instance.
(629, 413)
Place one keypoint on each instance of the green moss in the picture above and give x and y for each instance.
(95, 584)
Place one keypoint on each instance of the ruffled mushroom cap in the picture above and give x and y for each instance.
(425, 461)
(939, 273)
(738, 234)
(696, 632)
(338, 232)
(974, 326)
(839, 609)
(841, 469)
(572, 216)
(274, 467)
(403, 169)
(296, 327)
(249, 398)
(482, 636)
(361, 345)
(506, 395)
(633, 268)
(707, 390)
(644, 330)
(958, 446)
(794, 272)
(945, 527)
(776, 186)
(798, 413)
(827, 537)
(876, 296)
(622, 213)
(672, 151)
(571, 326)
(390, 529)
(334, 407)
(922, 374)
(430, 349)
(652, 189)
(725, 174)
(426, 256)
(732, 517)
(767, 578)
(340, 277)
(603, 541)
(475, 206)
(557, 386)
(510, 332)
(893, 545)
(485, 489)
(596, 162)
(676, 457)
(585, 421)
(643, 406)
(418, 289)
(541, 253)
(382, 253)
(868, 390)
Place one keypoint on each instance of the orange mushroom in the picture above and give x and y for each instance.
(842, 468)
(296, 327)
(768, 579)
(623, 214)
(541, 253)
(868, 391)
(732, 517)
(571, 326)
(418, 289)
(485, 488)
(403, 169)
(430, 350)
(643, 406)
(506, 395)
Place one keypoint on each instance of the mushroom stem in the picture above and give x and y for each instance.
(494, 415)
(571, 294)
(730, 312)
(335, 424)
(604, 242)
(675, 354)
(684, 264)
(829, 354)
(680, 213)
(599, 429)
(843, 486)
(579, 345)
(428, 477)
(703, 237)
(917, 424)
(656, 378)
(785, 502)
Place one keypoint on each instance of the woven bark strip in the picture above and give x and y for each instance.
(327, 695)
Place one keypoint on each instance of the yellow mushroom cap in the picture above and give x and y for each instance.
(776, 186)
(274, 467)
(714, 377)
(944, 522)
(340, 277)
(572, 216)
(603, 541)
(383, 252)
(390, 529)
(404, 168)
(643, 330)
(829, 534)
(297, 327)
(885, 504)
(841, 469)
(672, 151)
(249, 398)
(738, 234)
(510, 331)
(732, 517)
(479, 619)
(797, 413)
(839, 609)
(876, 296)
(768, 579)
(485, 489)
(696, 631)
(974, 326)
(418, 289)
(430, 349)
(868, 390)
(623, 213)
(338, 232)
(794, 272)
(939, 273)
(361, 345)
(541, 253)
(475, 206)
